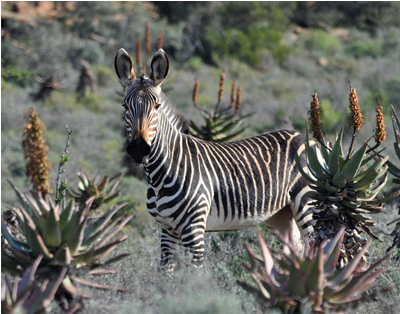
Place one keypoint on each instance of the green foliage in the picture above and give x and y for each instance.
(195, 64)
(249, 28)
(330, 117)
(12, 75)
(92, 102)
(104, 76)
(293, 280)
(326, 43)
(361, 45)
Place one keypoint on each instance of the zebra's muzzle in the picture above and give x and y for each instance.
(138, 149)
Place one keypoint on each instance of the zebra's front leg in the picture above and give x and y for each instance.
(193, 239)
(171, 247)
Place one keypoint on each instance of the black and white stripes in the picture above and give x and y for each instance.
(197, 186)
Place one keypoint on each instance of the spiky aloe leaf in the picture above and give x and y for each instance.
(52, 235)
(66, 214)
(116, 230)
(313, 165)
(110, 261)
(102, 222)
(62, 256)
(78, 214)
(314, 281)
(35, 240)
(74, 243)
(358, 283)
(335, 154)
(92, 255)
(344, 273)
(26, 282)
(22, 199)
(47, 293)
(303, 173)
(231, 136)
(352, 166)
(332, 251)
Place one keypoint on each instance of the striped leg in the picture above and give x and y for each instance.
(193, 239)
(171, 246)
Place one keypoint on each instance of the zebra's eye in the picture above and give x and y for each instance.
(125, 106)
(158, 106)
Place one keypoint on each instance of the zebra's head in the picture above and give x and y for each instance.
(142, 101)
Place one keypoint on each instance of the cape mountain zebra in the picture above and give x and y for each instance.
(197, 186)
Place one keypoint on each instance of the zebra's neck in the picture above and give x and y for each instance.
(163, 152)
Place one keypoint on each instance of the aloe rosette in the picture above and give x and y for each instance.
(102, 192)
(345, 191)
(308, 278)
(64, 237)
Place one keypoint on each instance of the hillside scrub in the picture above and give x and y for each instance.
(285, 51)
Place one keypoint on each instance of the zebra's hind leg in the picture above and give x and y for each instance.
(171, 247)
(283, 221)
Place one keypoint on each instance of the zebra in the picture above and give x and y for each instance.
(195, 186)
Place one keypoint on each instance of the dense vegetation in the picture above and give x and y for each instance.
(279, 53)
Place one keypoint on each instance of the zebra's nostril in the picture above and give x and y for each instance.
(130, 149)
(138, 149)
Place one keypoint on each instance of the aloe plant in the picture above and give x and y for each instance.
(219, 126)
(292, 280)
(102, 192)
(64, 237)
(346, 185)
(395, 171)
(27, 295)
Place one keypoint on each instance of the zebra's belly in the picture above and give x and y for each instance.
(232, 221)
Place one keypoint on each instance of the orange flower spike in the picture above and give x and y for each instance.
(160, 40)
(138, 51)
(380, 132)
(314, 117)
(356, 118)
(238, 99)
(195, 91)
(148, 47)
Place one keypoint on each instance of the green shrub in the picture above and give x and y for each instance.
(328, 44)
(92, 102)
(105, 76)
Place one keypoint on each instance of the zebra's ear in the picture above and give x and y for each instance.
(123, 67)
(159, 67)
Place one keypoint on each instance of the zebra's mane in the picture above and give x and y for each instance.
(176, 118)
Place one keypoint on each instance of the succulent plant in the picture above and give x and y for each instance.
(27, 296)
(395, 171)
(65, 237)
(219, 126)
(345, 185)
(308, 278)
(101, 192)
